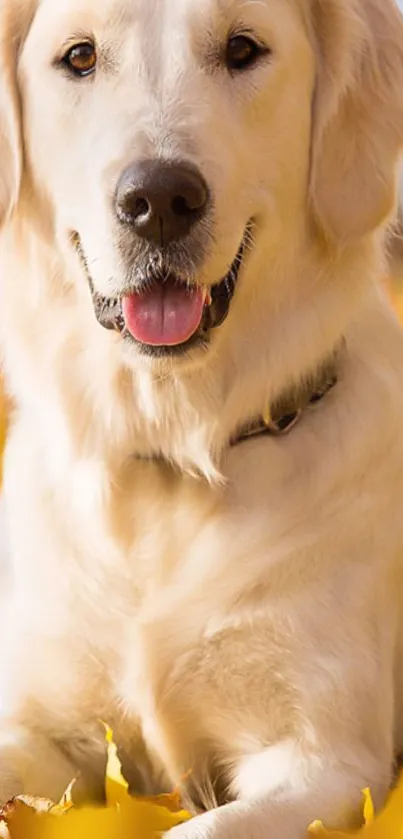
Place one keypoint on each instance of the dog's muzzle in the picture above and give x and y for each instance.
(167, 315)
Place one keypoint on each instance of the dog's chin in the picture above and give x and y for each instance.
(167, 318)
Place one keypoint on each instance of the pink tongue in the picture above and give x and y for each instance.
(165, 315)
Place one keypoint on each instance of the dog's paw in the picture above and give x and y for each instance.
(211, 825)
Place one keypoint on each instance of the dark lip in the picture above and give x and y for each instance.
(108, 310)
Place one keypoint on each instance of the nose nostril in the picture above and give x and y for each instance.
(188, 205)
(181, 206)
(141, 208)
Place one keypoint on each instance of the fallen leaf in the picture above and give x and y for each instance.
(123, 817)
(134, 820)
(116, 786)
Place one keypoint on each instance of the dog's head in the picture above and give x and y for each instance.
(175, 143)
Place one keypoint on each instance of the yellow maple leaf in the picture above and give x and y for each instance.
(117, 790)
(134, 819)
(116, 786)
(123, 817)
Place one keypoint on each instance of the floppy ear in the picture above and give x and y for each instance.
(10, 131)
(358, 114)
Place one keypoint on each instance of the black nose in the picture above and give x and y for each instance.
(161, 200)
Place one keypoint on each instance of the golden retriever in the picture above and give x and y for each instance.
(204, 476)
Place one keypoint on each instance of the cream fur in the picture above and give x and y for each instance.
(233, 611)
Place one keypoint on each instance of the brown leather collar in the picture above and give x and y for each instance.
(288, 409)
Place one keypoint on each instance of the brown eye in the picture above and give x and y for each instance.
(242, 52)
(81, 59)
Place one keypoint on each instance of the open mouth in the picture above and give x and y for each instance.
(168, 315)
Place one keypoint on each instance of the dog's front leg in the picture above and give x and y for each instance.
(35, 761)
(47, 734)
(325, 789)
(31, 763)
